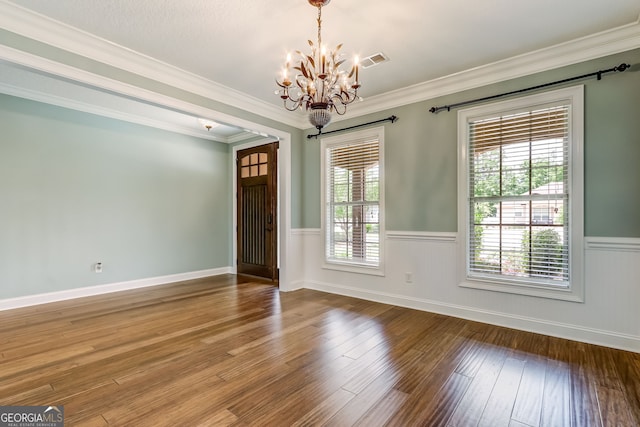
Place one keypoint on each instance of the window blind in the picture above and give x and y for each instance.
(519, 196)
(353, 231)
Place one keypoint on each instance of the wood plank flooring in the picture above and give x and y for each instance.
(231, 351)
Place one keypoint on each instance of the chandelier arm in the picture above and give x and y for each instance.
(294, 107)
(345, 98)
(292, 99)
(351, 97)
(335, 108)
(300, 85)
(293, 104)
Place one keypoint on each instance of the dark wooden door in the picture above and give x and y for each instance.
(257, 209)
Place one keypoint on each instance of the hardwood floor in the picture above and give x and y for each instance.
(225, 351)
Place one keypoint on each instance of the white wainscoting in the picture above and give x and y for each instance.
(29, 300)
(609, 316)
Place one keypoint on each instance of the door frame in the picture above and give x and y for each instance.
(283, 202)
(272, 259)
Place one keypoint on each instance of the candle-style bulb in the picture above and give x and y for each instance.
(356, 63)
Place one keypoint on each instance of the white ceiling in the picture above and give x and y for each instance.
(241, 44)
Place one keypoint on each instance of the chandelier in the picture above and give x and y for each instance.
(316, 82)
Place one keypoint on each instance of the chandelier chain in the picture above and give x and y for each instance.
(319, 26)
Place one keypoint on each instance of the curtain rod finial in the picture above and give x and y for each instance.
(622, 67)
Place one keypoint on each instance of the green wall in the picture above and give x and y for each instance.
(77, 188)
(421, 154)
(40, 49)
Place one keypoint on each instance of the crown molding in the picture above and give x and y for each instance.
(594, 46)
(93, 108)
(41, 28)
(38, 27)
(94, 80)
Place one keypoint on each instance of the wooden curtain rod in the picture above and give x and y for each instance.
(619, 68)
(391, 119)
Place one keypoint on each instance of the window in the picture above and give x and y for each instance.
(352, 220)
(520, 195)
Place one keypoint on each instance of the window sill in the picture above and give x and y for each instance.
(519, 288)
(373, 270)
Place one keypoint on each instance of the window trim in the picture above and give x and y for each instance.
(575, 292)
(345, 139)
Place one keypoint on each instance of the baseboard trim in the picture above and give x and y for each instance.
(296, 285)
(555, 329)
(68, 294)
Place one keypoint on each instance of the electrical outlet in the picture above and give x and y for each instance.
(97, 267)
(408, 277)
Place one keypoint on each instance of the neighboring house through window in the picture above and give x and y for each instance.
(520, 195)
(353, 214)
